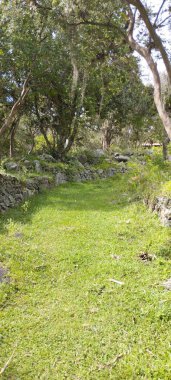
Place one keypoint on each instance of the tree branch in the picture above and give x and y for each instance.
(152, 32)
(162, 22)
(11, 117)
(146, 54)
(158, 13)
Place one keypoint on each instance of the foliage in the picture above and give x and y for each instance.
(90, 74)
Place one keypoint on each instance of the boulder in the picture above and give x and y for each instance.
(60, 178)
(43, 183)
(162, 205)
(47, 157)
(121, 158)
(100, 172)
(110, 172)
(99, 153)
(167, 284)
(11, 166)
(37, 166)
(165, 216)
(28, 164)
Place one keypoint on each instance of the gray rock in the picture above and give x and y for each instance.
(60, 178)
(80, 165)
(43, 183)
(30, 184)
(110, 172)
(99, 153)
(38, 167)
(165, 216)
(167, 284)
(47, 157)
(11, 166)
(76, 178)
(4, 275)
(100, 172)
(162, 205)
(28, 164)
(121, 158)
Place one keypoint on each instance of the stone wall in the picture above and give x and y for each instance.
(11, 192)
(162, 206)
(14, 191)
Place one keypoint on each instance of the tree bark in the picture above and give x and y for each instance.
(146, 54)
(12, 135)
(106, 135)
(42, 130)
(152, 32)
(165, 143)
(16, 107)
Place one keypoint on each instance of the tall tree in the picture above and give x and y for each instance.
(152, 42)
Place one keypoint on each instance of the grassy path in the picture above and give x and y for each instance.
(61, 314)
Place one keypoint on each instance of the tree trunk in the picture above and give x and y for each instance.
(146, 54)
(40, 120)
(106, 135)
(12, 135)
(16, 107)
(152, 32)
(165, 143)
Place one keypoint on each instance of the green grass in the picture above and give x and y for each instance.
(60, 313)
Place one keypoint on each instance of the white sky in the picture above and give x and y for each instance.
(166, 34)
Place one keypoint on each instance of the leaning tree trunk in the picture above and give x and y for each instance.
(146, 54)
(16, 107)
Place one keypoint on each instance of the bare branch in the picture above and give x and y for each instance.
(146, 54)
(158, 13)
(152, 32)
(162, 22)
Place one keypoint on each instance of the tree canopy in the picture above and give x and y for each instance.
(66, 64)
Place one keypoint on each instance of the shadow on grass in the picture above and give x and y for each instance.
(165, 252)
(104, 195)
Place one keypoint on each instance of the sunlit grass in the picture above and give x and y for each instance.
(60, 312)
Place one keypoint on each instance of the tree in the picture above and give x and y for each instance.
(152, 42)
(55, 93)
(123, 17)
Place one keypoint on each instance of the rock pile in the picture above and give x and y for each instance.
(162, 206)
(13, 191)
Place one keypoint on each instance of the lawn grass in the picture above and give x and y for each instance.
(60, 313)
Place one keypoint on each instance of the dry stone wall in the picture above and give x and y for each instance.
(11, 192)
(162, 206)
(14, 191)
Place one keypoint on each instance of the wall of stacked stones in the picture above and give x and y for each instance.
(14, 191)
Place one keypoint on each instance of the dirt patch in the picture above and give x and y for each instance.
(167, 284)
(4, 275)
(145, 256)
